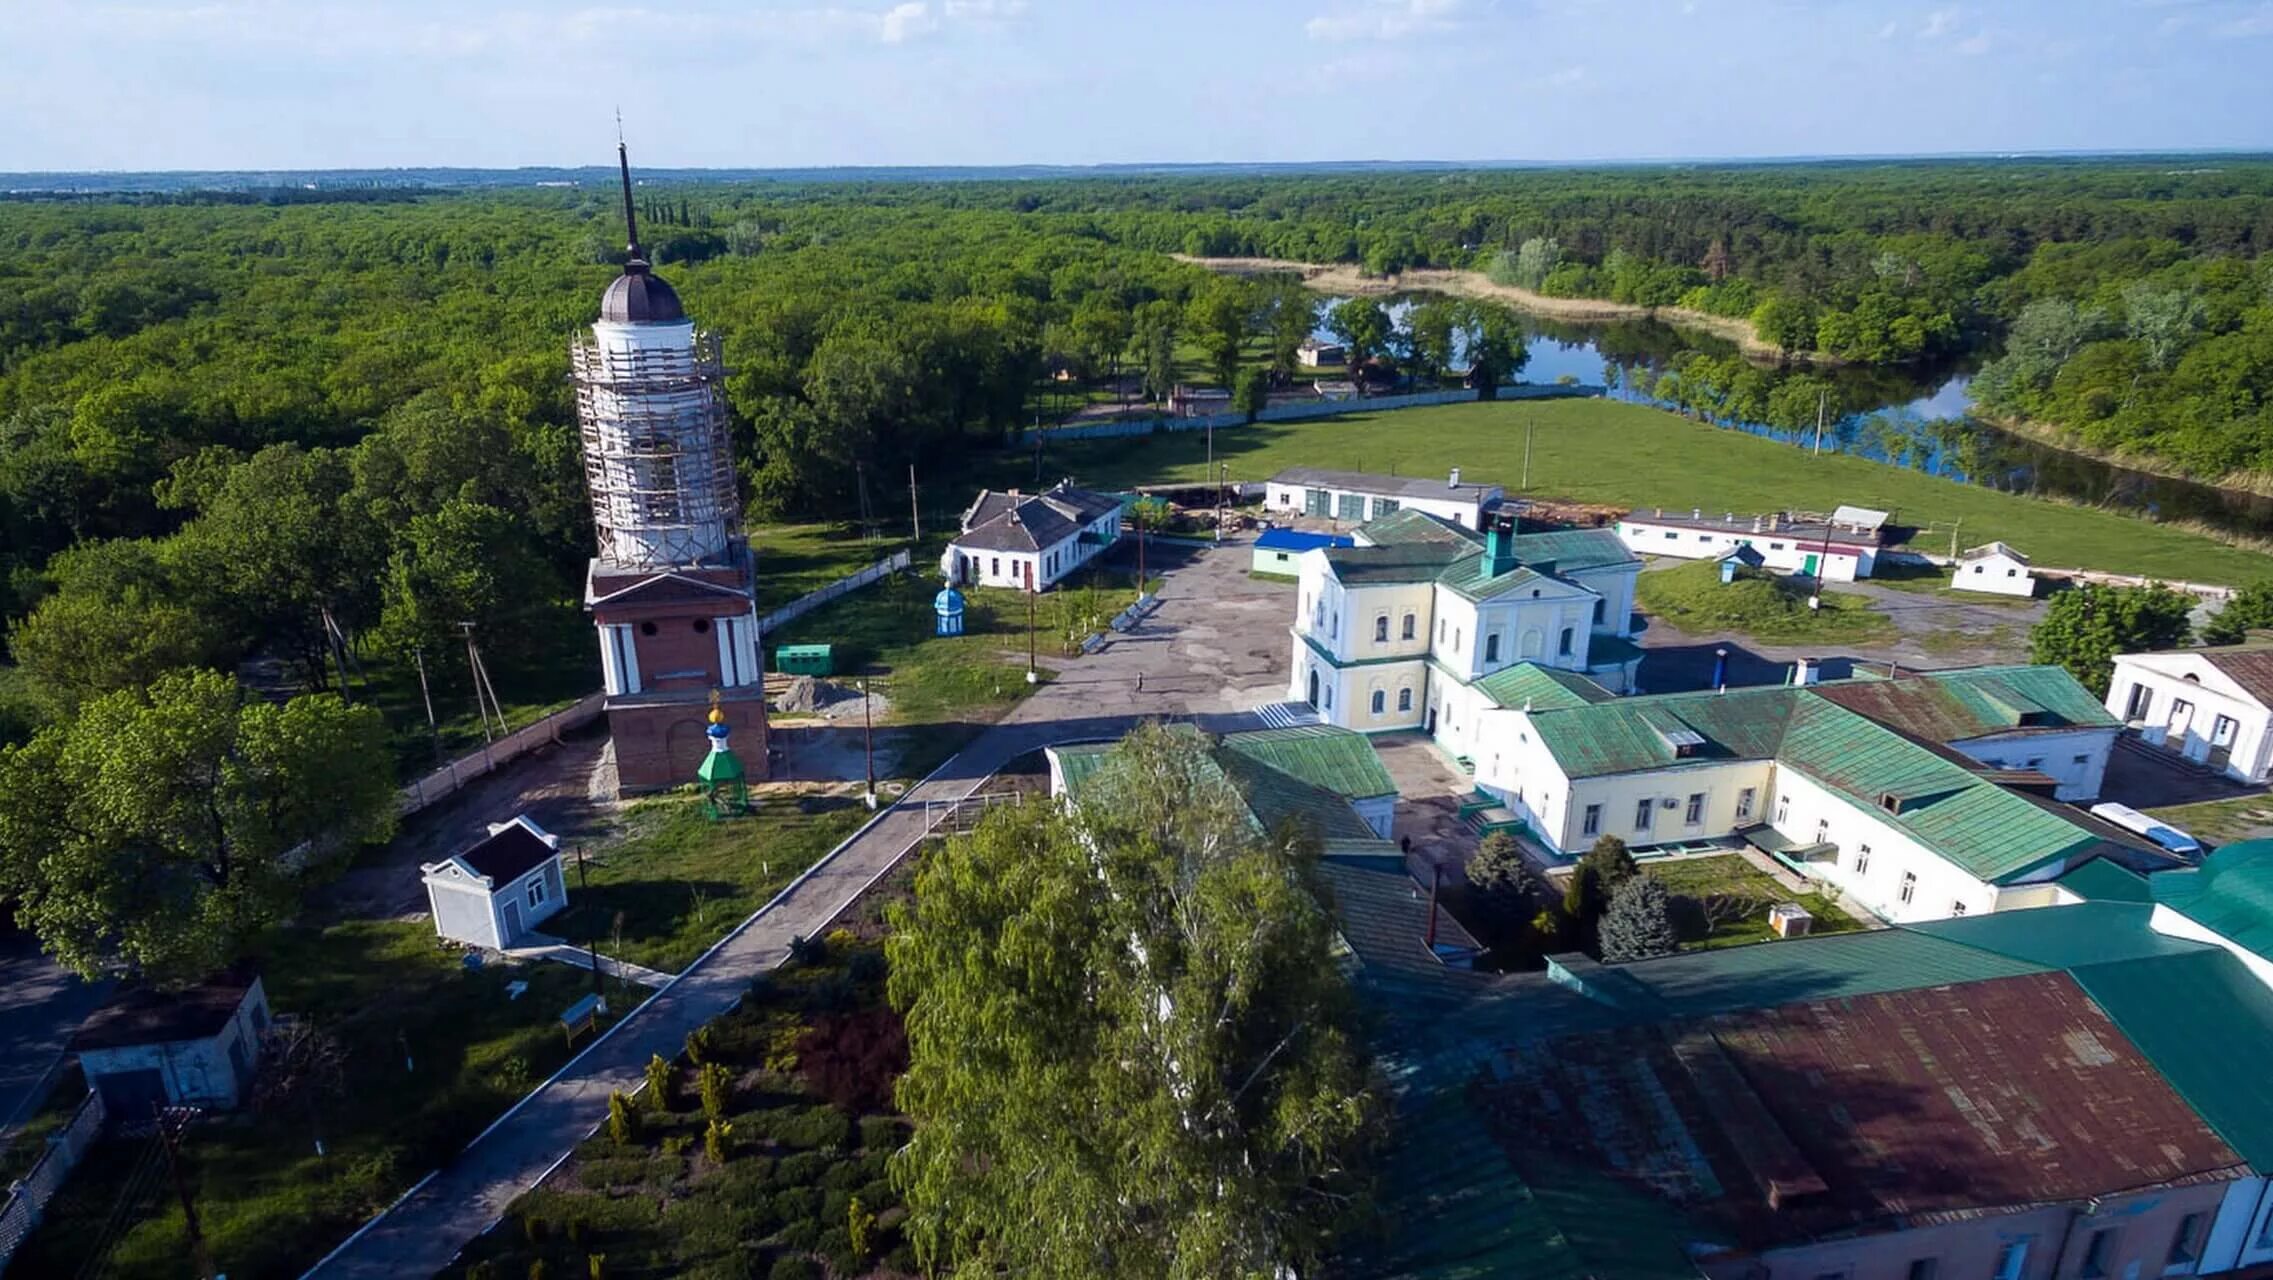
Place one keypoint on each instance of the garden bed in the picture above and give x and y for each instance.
(1730, 901)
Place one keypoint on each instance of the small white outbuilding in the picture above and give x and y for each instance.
(492, 894)
(1994, 568)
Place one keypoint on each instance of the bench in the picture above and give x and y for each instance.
(584, 1015)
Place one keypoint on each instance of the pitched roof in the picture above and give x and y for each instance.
(1859, 517)
(2230, 894)
(1274, 797)
(1573, 550)
(2104, 880)
(1400, 486)
(1401, 562)
(1624, 735)
(1409, 524)
(1988, 549)
(1383, 914)
(1014, 521)
(1340, 760)
(2084, 933)
(1975, 702)
(2249, 665)
(511, 850)
(2197, 1016)
(1529, 684)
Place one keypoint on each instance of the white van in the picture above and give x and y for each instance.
(2155, 829)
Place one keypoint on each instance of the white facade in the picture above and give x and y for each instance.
(1996, 569)
(1031, 570)
(2182, 702)
(2074, 758)
(1354, 498)
(1803, 551)
(480, 911)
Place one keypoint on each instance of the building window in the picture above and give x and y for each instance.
(1564, 645)
(2185, 1245)
(1381, 629)
(1442, 628)
(2083, 759)
(2141, 699)
(1591, 825)
(994, 566)
(1783, 809)
(1823, 830)
(2012, 1260)
(1456, 639)
(1492, 647)
(1744, 802)
(1670, 535)
(2098, 1252)
(702, 626)
(1600, 607)
(1862, 858)
(1909, 886)
(1695, 813)
(1408, 627)
(1380, 702)
(647, 628)
(537, 892)
(1327, 692)
(1957, 908)
(1405, 699)
(2036, 762)
(1642, 811)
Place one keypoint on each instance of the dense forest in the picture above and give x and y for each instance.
(239, 426)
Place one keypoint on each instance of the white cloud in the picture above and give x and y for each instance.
(1976, 44)
(1938, 24)
(1887, 32)
(903, 22)
(1385, 20)
(1567, 76)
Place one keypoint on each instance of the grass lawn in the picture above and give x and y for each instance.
(1932, 580)
(549, 667)
(679, 881)
(795, 559)
(1609, 452)
(64, 1094)
(430, 1054)
(807, 1062)
(1735, 897)
(1760, 605)
(2222, 821)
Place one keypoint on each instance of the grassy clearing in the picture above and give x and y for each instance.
(430, 1054)
(675, 881)
(807, 1063)
(548, 668)
(25, 1146)
(1609, 452)
(2222, 821)
(1734, 898)
(1759, 605)
(1932, 580)
(795, 559)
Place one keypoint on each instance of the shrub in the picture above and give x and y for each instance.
(714, 1141)
(860, 1230)
(794, 1267)
(658, 1082)
(809, 952)
(867, 967)
(698, 1042)
(844, 1175)
(596, 1266)
(798, 1204)
(1613, 865)
(836, 1246)
(537, 1270)
(879, 1133)
(802, 1233)
(854, 1059)
(801, 1170)
(619, 1119)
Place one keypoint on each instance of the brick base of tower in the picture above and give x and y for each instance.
(660, 740)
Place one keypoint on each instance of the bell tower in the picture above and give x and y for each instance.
(672, 589)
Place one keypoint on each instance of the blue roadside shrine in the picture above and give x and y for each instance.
(948, 604)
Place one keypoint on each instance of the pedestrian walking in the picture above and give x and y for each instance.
(1140, 682)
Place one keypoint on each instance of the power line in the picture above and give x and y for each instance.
(132, 1191)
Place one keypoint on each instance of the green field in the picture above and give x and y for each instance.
(1735, 897)
(794, 559)
(678, 880)
(1762, 606)
(1608, 452)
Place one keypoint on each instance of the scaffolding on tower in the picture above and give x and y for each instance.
(656, 458)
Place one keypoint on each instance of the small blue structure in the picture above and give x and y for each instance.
(948, 604)
(1277, 550)
(1743, 557)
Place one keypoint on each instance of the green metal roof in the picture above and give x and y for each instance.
(1470, 576)
(1983, 829)
(718, 767)
(1573, 550)
(1080, 761)
(2102, 880)
(1340, 760)
(2206, 1023)
(1831, 967)
(1541, 687)
(2230, 894)
(2058, 937)
(1974, 702)
(1618, 735)
(1403, 562)
(1277, 799)
(1409, 525)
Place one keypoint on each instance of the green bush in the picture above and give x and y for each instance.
(836, 1246)
(804, 1233)
(613, 1171)
(881, 1133)
(795, 1203)
(801, 1170)
(794, 1267)
(844, 1175)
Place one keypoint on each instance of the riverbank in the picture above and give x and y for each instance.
(2053, 436)
(1632, 456)
(1346, 278)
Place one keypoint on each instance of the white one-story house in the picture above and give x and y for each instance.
(2213, 706)
(1839, 548)
(1996, 568)
(1358, 496)
(1314, 353)
(492, 894)
(197, 1047)
(1030, 540)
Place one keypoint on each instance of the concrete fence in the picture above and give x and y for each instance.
(2200, 590)
(30, 1194)
(1299, 411)
(446, 781)
(812, 600)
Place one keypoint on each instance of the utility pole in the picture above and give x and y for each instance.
(592, 939)
(1530, 425)
(1031, 676)
(426, 695)
(1953, 537)
(1137, 509)
(168, 1134)
(915, 513)
(1822, 399)
(868, 741)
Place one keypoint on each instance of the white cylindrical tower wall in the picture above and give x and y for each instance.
(656, 456)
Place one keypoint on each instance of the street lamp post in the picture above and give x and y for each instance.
(1031, 676)
(868, 743)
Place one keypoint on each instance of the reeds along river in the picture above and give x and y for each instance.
(1911, 417)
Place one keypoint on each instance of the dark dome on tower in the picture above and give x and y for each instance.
(640, 295)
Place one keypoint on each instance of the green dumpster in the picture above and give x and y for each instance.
(804, 660)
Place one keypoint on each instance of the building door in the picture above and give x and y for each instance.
(512, 925)
(1807, 568)
(1313, 686)
(131, 1094)
(2222, 733)
(1314, 502)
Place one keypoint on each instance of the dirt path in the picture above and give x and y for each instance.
(1343, 277)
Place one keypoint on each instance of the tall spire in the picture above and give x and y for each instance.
(630, 222)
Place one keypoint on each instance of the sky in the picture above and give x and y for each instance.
(295, 84)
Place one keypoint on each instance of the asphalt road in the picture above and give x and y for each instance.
(40, 1007)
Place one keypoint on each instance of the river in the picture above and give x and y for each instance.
(1918, 418)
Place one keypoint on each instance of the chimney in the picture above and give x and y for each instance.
(1453, 482)
(1804, 673)
(1755, 524)
(1696, 513)
(1499, 543)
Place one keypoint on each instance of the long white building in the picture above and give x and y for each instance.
(1357, 496)
(1839, 548)
(2213, 706)
(1406, 629)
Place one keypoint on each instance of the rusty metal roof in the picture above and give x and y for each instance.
(1778, 1124)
